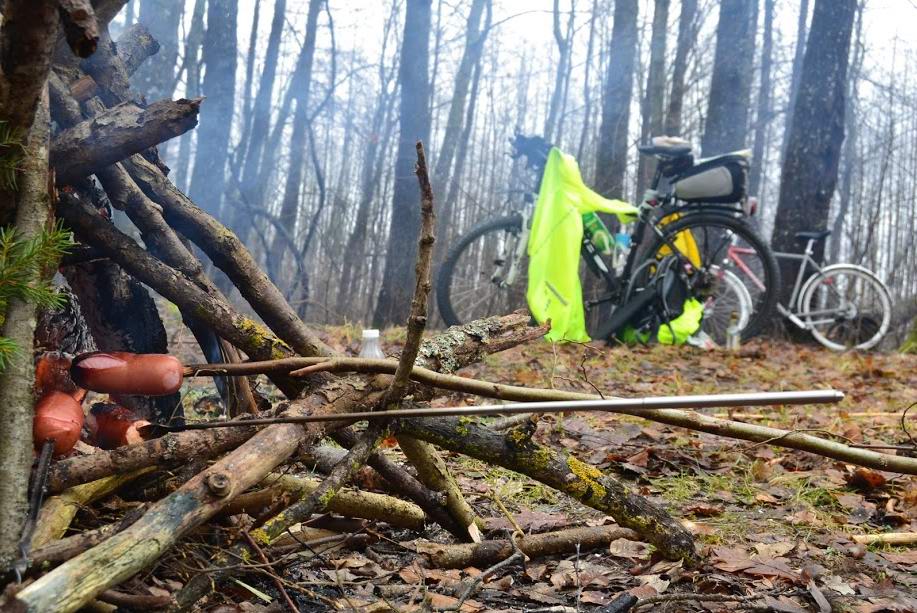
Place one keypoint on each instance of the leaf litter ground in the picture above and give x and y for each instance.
(773, 523)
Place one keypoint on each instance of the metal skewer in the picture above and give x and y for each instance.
(553, 406)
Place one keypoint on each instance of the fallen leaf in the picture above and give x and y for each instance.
(624, 548)
(775, 550)
(866, 479)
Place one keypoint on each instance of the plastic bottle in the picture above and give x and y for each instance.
(601, 237)
(733, 334)
(370, 348)
(622, 243)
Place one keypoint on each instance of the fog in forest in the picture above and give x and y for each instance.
(298, 144)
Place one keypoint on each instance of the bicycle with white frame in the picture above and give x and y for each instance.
(843, 306)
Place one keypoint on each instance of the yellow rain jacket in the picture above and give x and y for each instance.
(554, 290)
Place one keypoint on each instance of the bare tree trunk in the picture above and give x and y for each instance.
(850, 154)
(653, 107)
(764, 112)
(587, 92)
(816, 132)
(192, 89)
(32, 217)
(155, 80)
(27, 36)
(564, 47)
(301, 84)
(455, 140)
(798, 54)
(209, 176)
(611, 158)
(687, 31)
(414, 117)
(730, 88)
(250, 186)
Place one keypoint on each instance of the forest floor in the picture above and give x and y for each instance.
(772, 523)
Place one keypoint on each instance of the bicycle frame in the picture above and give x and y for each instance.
(805, 258)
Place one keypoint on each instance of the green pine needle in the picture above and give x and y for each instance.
(26, 267)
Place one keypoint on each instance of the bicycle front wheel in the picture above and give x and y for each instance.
(721, 249)
(846, 307)
(485, 274)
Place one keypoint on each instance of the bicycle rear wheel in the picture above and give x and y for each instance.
(478, 277)
(846, 307)
(719, 245)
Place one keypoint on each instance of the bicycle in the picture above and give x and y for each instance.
(837, 304)
(485, 272)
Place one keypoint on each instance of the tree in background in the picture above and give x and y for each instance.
(652, 109)
(208, 179)
(730, 87)
(611, 158)
(156, 78)
(414, 117)
(816, 132)
(687, 32)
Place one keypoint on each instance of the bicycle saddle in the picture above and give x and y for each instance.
(668, 146)
(815, 236)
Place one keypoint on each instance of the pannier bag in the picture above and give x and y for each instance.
(722, 179)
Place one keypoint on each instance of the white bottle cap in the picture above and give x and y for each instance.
(370, 334)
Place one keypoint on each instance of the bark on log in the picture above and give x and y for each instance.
(347, 502)
(71, 546)
(488, 553)
(118, 133)
(251, 337)
(80, 27)
(108, 70)
(170, 450)
(32, 216)
(135, 45)
(561, 470)
(228, 253)
(77, 581)
(58, 511)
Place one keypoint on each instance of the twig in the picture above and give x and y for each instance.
(666, 598)
(890, 538)
(417, 320)
(277, 581)
(519, 555)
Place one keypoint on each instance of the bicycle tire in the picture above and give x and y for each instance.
(853, 327)
(447, 279)
(703, 228)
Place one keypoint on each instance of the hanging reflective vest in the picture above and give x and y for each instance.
(554, 290)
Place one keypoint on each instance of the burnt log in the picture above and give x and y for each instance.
(118, 133)
(80, 27)
(135, 46)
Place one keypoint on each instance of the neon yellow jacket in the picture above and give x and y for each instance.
(554, 290)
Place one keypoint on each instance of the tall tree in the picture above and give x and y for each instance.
(475, 36)
(653, 107)
(730, 87)
(564, 41)
(219, 56)
(193, 44)
(249, 187)
(394, 300)
(687, 31)
(587, 72)
(611, 158)
(796, 70)
(816, 132)
(156, 77)
(301, 87)
(764, 111)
